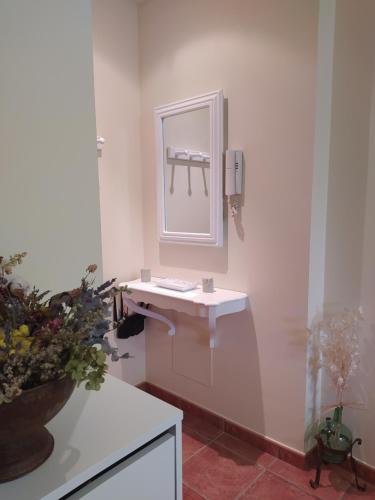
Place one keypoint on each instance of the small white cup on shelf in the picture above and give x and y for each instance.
(208, 285)
(145, 275)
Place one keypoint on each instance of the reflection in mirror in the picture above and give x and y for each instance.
(190, 151)
(186, 174)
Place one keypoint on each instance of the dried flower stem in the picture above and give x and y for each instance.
(339, 348)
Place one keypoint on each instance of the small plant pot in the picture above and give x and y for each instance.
(25, 443)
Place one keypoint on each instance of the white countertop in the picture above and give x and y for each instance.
(219, 297)
(92, 432)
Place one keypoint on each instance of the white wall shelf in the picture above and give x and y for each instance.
(194, 302)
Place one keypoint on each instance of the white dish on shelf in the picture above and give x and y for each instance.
(176, 284)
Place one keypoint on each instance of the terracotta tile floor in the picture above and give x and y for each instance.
(218, 466)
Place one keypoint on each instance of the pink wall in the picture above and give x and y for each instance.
(363, 421)
(117, 101)
(350, 269)
(263, 54)
(351, 106)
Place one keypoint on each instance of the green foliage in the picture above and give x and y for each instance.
(87, 363)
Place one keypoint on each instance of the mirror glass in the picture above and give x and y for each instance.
(190, 155)
(186, 171)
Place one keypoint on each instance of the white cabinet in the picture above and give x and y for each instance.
(118, 443)
(148, 474)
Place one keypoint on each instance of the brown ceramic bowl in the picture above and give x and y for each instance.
(24, 441)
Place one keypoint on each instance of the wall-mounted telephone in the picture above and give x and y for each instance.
(233, 172)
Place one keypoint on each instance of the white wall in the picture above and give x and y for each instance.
(318, 226)
(117, 99)
(351, 103)
(49, 201)
(263, 54)
(363, 386)
(349, 260)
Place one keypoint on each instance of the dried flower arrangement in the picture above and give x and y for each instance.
(44, 339)
(339, 348)
(337, 351)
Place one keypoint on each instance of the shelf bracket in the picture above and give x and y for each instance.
(150, 314)
(212, 326)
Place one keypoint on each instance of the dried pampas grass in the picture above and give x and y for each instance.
(339, 347)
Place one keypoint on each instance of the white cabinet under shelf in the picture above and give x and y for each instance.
(118, 443)
(194, 302)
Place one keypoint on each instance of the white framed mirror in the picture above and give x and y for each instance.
(189, 136)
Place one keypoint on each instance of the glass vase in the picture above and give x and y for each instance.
(336, 438)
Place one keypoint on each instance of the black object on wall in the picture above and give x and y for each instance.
(129, 325)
